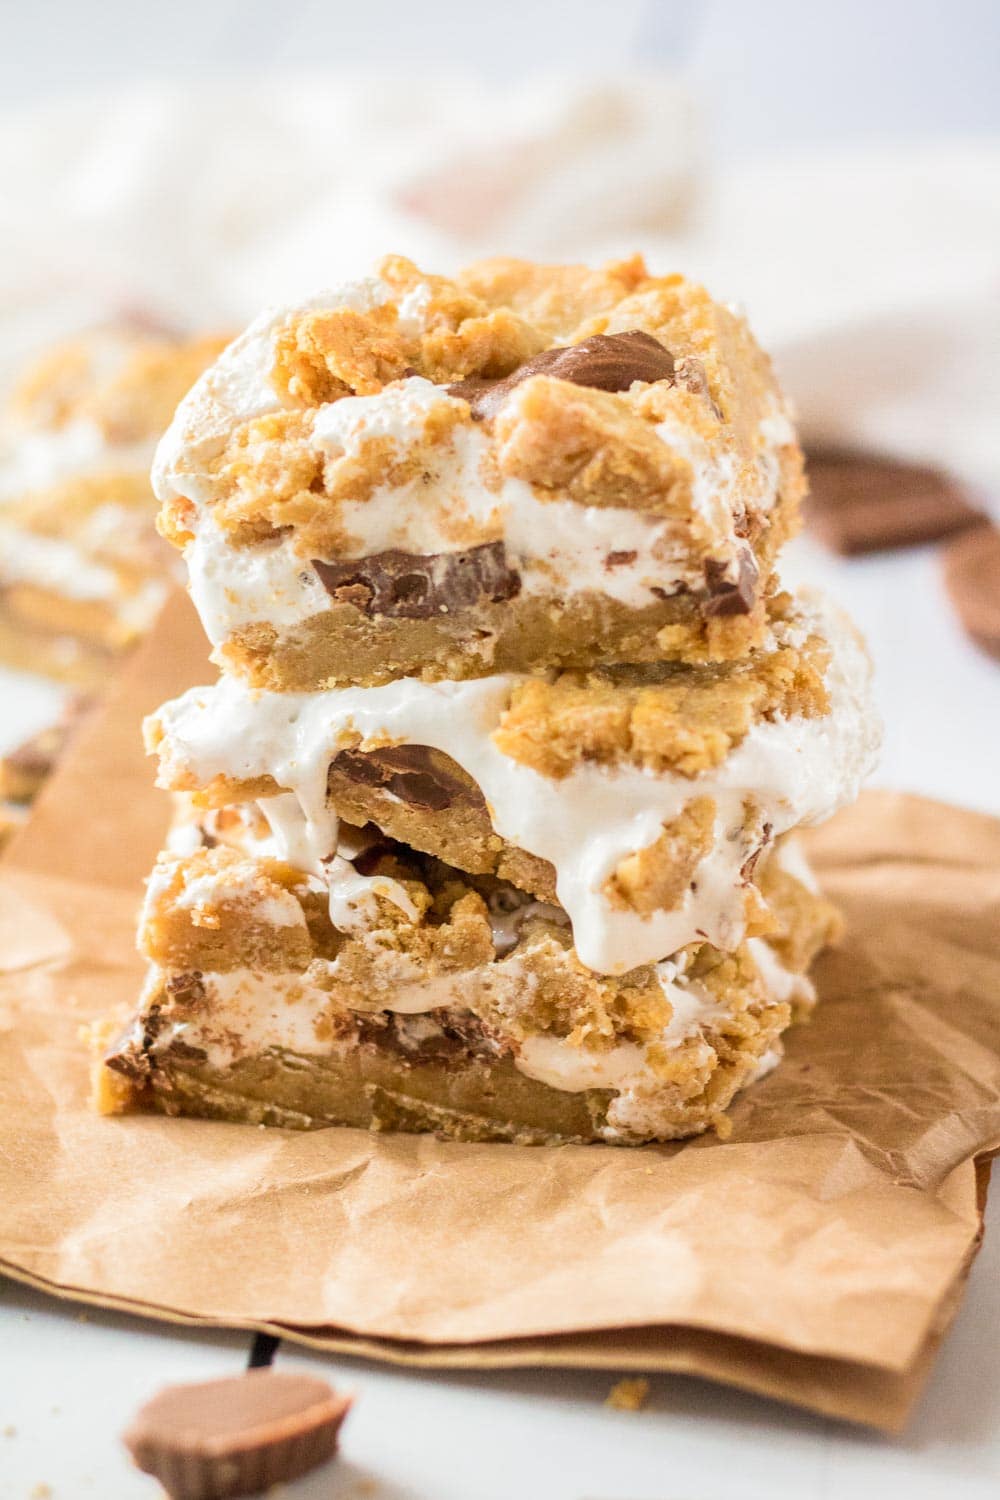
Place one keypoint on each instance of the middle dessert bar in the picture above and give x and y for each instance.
(638, 798)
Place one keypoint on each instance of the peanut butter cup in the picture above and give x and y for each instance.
(236, 1436)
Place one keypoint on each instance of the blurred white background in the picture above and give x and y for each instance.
(775, 72)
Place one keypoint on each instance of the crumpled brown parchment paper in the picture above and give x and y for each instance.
(817, 1255)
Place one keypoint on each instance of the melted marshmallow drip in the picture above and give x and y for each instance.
(797, 771)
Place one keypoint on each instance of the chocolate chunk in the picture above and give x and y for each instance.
(729, 595)
(608, 362)
(620, 559)
(409, 586)
(972, 578)
(409, 772)
(860, 503)
(186, 989)
(236, 1436)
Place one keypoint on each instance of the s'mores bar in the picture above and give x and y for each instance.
(487, 826)
(636, 797)
(81, 568)
(523, 468)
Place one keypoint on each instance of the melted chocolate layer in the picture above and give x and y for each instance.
(408, 772)
(408, 585)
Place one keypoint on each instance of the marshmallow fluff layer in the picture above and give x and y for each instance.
(793, 771)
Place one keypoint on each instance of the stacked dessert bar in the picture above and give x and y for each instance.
(81, 567)
(485, 826)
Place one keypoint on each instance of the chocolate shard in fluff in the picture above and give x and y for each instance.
(406, 585)
(413, 773)
(731, 588)
(608, 362)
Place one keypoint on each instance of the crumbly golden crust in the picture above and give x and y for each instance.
(594, 446)
(656, 878)
(598, 448)
(219, 909)
(685, 719)
(803, 921)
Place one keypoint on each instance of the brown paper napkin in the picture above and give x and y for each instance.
(817, 1255)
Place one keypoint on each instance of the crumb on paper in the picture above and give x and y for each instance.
(10, 1430)
(628, 1395)
(41, 1491)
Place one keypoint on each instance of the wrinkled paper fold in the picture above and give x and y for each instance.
(817, 1255)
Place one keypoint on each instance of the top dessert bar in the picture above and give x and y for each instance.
(81, 568)
(524, 467)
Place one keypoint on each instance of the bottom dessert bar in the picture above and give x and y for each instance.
(436, 1001)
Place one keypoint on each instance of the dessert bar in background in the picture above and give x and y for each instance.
(82, 571)
(487, 826)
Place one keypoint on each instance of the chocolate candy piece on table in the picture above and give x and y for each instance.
(859, 502)
(972, 578)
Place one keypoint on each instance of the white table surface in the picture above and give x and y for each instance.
(69, 1380)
